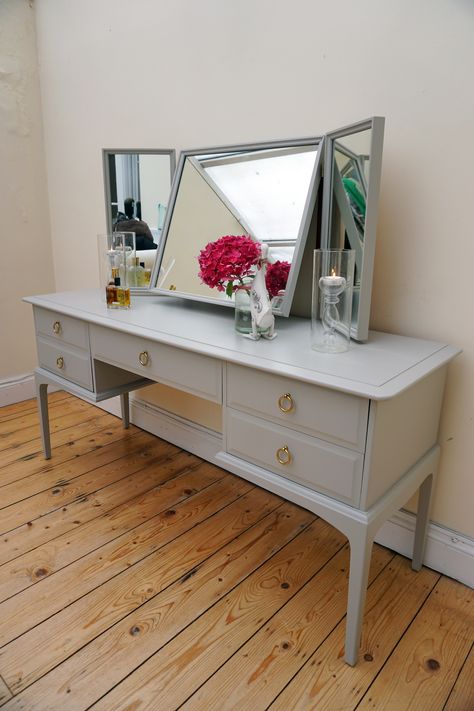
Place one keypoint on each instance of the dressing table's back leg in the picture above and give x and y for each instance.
(422, 520)
(124, 403)
(42, 400)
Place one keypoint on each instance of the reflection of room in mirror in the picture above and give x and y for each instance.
(350, 178)
(146, 179)
(199, 217)
(263, 193)
(137, 187)
(352, 163)
(267, 188)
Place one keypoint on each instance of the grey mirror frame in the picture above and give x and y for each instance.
(285, 306)
(360, 320)
(171, 152)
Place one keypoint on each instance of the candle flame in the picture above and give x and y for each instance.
(333, 272)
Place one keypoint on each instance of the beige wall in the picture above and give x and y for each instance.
(25, 246)
(212, 73)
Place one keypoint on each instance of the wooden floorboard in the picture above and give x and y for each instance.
(32, 468)
(14, 432)
(22, 453)
(18, 409)
(5, 692)
(461, 697)
(134, 575)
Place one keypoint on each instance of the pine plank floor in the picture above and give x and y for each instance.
(134, 575)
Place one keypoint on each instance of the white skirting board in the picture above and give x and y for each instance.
(19, 388)
(446, 551)
(22, 387)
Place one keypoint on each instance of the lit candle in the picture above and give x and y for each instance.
(332, 283)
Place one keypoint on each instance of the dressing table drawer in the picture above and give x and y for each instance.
(329, 414)
(191, 372)
(322, 466)
(70, 363)
(64, 329)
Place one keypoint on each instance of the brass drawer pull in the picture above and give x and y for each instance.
(144, 358)
(283, 455)
(57, 327)
(60, 362)
(285, 403)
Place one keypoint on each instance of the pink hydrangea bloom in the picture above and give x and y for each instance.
(228, 259)
(276, 277)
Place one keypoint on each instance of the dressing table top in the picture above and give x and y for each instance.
(381, 368)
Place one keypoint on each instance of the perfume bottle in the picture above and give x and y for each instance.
(140, 273)
(146, 274)
(135, 273)
(123, 296)
(117, 296)
(111, 290)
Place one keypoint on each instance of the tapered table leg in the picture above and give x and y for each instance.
(361, 553)
(42, 399)
(124, 402)
(422, 520)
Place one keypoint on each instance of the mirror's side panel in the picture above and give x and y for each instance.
(352, 169)
(373, 191)
(144, 176)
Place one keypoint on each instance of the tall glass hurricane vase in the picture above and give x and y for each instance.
(116, 251)
(333, 279)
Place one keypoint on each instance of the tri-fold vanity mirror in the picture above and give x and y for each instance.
(295, 196)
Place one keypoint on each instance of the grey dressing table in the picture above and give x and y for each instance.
(349, 436)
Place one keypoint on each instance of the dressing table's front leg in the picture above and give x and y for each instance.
(361, 544)
(361, 535)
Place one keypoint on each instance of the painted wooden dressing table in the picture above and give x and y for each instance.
(349, 436)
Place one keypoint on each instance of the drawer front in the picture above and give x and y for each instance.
(66, 361)
(63, 329)
(329, 414)
(191, 372)
(324, 467)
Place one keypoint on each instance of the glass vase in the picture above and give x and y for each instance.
(243, 316)
(116, 251)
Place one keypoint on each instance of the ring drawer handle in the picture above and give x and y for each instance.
(57, 327)
(144, 358)
(60, 362)
(283, 455)
(285, 403)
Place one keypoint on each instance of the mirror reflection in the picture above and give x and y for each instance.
(350, 204)
(137, 185)
(266, 191)
(351, 162)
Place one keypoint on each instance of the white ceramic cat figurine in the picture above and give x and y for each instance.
(260, 306)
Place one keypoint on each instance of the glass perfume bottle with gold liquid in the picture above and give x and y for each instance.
(116, 295)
